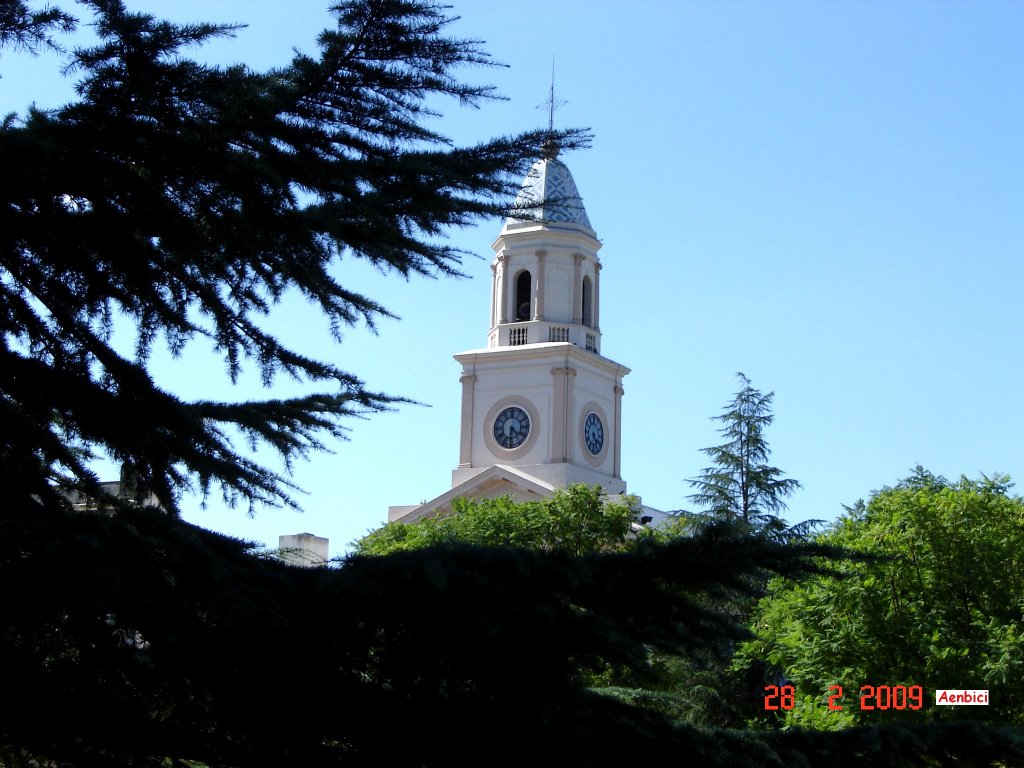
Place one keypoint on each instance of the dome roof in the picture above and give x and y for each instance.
(549, 195)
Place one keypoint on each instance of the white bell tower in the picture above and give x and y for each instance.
(541, 398)
(541, 406)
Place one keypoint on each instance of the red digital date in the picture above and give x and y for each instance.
(890, 697)
(783, 694)
(872, 697)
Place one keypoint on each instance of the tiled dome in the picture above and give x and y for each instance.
(549, 195)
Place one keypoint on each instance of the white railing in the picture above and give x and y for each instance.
(535, 332)
(517, 336)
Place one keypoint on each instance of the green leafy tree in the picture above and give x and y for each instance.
(575, 520)
(740, 484)
(937, 603)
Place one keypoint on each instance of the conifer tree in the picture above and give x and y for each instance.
(187, 200)
(740, 484)
(31, 29)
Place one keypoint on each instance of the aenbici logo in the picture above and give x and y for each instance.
(961, 696)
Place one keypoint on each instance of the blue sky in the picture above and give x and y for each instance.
(825, 196)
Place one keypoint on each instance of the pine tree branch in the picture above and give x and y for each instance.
(192, 199)
(30, 30)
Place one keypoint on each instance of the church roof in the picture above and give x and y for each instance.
(549, 195)
(496, 480)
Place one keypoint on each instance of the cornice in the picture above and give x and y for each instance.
(540, 353)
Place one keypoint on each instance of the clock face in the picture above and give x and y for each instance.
(593, 433)
(512, 427)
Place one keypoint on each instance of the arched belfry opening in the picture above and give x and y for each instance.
(524, 285)
(588, 303)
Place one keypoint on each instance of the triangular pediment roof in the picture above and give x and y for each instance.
(495, 481)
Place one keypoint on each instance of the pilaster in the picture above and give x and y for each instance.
(538, 304)
(561, 447)
(468, 381)
(494, 293)
(577, 288)
(503, 280)
(617, 458)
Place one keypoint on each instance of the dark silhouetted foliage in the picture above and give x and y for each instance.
(189, 199)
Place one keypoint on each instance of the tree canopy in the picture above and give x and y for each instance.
(136, 639)
(187, 199)
(938, 604)
(577, 520)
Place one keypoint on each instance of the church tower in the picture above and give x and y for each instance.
(541, 406)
